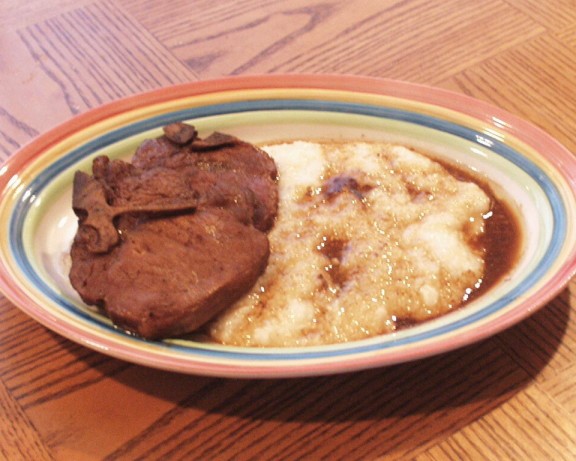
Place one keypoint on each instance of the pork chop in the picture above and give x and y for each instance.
(169, 240)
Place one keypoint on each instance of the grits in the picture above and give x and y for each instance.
(369, 237)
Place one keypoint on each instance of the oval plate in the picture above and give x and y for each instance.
(521, 162)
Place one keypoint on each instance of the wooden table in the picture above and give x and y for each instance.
(511, 397)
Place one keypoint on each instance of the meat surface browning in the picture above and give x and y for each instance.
(169, 240)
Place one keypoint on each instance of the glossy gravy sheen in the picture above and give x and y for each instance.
(502, 239)
(370, 238)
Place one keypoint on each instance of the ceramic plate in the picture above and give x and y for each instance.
(521, 162)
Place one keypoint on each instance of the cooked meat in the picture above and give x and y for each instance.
(168, 241)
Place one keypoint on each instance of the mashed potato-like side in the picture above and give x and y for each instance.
(369, 237)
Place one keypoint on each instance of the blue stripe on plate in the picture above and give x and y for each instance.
(39, 183)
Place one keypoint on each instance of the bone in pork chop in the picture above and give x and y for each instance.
(168, 241)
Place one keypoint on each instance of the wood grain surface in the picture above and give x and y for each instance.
(511, 397)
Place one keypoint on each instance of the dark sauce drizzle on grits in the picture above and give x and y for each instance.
(503, 237)
(500, 243)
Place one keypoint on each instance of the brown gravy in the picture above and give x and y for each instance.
(335, 278)
(502, 241)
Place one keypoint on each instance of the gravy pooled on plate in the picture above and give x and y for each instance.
(369, 238)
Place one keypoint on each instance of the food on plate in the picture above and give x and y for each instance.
(370, 238)
(167, 241)
(296, 243)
